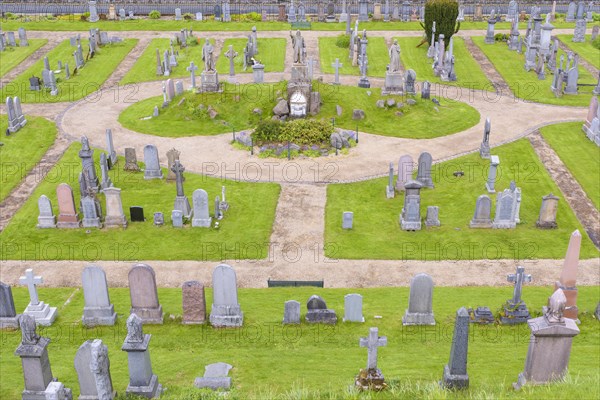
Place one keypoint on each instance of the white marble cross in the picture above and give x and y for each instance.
(337, 65)
(31, 280)
(192, 69)
(372, 343)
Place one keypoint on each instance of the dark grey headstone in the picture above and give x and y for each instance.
(136, 214)
(455, 372)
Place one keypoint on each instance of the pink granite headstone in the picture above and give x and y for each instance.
(67, 213)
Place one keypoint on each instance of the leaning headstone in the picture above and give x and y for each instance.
(131, 160)
(390, 191)
(515, 309)
(568, 277)
(106, 182)
(46, 218)
(142, 381)
(432, 218)
(144, 296)
(549, 345)
(194, 303)
(455, 372)
(225, 310)
(347, 220)
(484, 149)
(201, 215)
(115, 218)
(291, 312)
(8, 314)
(152, 166)
(93, 371)
(40, 311)
(419, 310)
(353, 308)
(98, 309)
(547, 217)
(483, 209)
(110, 148)
(215, 377)
(67, 214)
(23, 38)
(371, 377)
(318, 311)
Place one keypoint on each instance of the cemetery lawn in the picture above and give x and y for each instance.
(244, 233)
(525, 85)
(87, 80)
(188, 120)
(13, 56)
(468, 71)
(377, 53)
(585, 49)
(578, 153)
(271, 361)
(144, 69)
(23, 150)
(456, 198)
(271, 53)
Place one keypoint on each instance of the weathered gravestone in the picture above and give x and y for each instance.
(142, 381)
(455, 372)
(225, 310)
(353, 308)
(115, 218)
(483, 209)
(93, 371)
(40, 311)
(549, 345)
(110, 148)
(291, 312)
(318, 311)
(194, 303)
(432, 218)
(98, 309)
(419, 310)
(46, 218)
(215, 377)
(424, 170)
(144, 296)
(547, 217)
(89, 209)
(177, 218)
(172, 155)
(347, 220)
(202, 217)
(152, 166)
(484, 149)
(106, 182)
(507, 208)
(8, 315)
(515, 309)
(568, 277)
(159, 219)
(405, 171)
(410, 218)
(23, 37)
(67, 214)
(86, 154)
(131, 160)
(371, 377)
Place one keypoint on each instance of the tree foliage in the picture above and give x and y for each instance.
(444, 13)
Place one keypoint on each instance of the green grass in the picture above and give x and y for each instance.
(271, 361)
(585, 49)
(87, 80)
(377, 233)
(580, 155)
(377, 53)
(184, 120)
(73, 23)
(244, 232)
(144, 69)
(23, 150)
(271, 53)
(13, 56)
(468, 71)
(525, 85)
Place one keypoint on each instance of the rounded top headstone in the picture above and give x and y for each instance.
(316, 303)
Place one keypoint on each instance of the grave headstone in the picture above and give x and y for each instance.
(144, 296)
(405, 171)
(515, 309)
(152, 166)
(201, 215)
(215, 377)
(424, 170)
(172, 155)
(159, 219)
(390, 191)
(23, 37)
(106, 181)
(432, 217)
(110, 148)
(410, 78)
(492, 174)
(11, 39)
(194, 303)
(41, 312)
(371, 377)
(115, 218)
(568, 277)
(353, 308)
(482, 315)
(91, 218)
(177, 218)
(67, 214)
(507, 209)
(93, 371)
(46, 218)
(455, 372)
(484, 149)
(318, 311)
(482, 216)
(226, 12)
(225, 310)
(347, 220)
(547, 217)
(93, 12)
(363, 13)
(291, 312)
(86, 154)
(410, 218)
(136, 214)
(8, 314)
(178, 16)
(419, 310)
(131, 160)
(142, 381)
(258, 73)
(98, 309)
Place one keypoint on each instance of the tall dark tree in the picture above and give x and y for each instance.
(444, 13)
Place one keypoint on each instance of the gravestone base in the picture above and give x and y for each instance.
(210, 82)
(480, 223)
(394, 84)
(371, 379)
(390, 192)
(46, 222)
(153, 390)
(67, 221)
(410, 225)
(481, 315)
(9, 323)
(300, 73)
(201, 223)
(490, 189)
(42, 313)
(91, 223)
(149, 315)
(418, 319)
(364, 82)
(546, 224)
(571, 310)
(93, 316)
(504, 224)
(153, 174)
(115, 222)
(484, 151)
(183, 204)
(226, 316)
(451, 381)
(213, 383)
(326, 316)
(515, 314)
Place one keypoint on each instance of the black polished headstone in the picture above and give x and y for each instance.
(136, 214)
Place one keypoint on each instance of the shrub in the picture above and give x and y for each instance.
(102, 17)
(307, 131)
(343, 41)
(193, 41)
(444, 13)
(501, 37)
(83, 17)
(596, 43)
(9, 15)
(250, 17)
(188, 16)
(596, 17)
(267, 131)
(154, 14)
